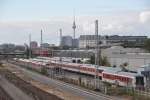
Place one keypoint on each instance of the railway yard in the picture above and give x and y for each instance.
(46, 90)
(32, 85)
(4, 95)
(33, 88)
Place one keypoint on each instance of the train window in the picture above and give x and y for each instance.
(73, 61)
(78, 61)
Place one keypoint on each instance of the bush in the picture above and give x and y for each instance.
(44, 71)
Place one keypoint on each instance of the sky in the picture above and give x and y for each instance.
(19, 18)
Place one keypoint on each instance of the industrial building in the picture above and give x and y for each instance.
(88, 41)
(33, 44)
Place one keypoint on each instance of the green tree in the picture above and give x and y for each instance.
(124, 65)
(92, 59)
(44, 71)
(147, 45)
(104, 61)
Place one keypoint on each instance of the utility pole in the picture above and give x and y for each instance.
(60, 32)
(60, 69)
(41, 48)
(97, 55)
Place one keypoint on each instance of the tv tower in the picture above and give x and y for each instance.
(74, 28)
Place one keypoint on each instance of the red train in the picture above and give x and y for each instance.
(106, 74)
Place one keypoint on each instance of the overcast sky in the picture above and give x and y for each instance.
(19, 18)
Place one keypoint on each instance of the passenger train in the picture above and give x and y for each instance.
(106, 74)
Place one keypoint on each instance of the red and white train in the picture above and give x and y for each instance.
(106, 74)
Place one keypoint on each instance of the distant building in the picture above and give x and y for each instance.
(19, 48)
(88, 41)
(8, 47)
(45, 45)
(127, 41)
(135, 57)
(66, 41)
(51, 45)
(33, 44)
(75, 43)
(42, 52)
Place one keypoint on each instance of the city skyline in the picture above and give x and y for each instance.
(21, 18)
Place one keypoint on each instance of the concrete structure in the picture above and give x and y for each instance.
(135, 57)
(33, 44)
(88, 41)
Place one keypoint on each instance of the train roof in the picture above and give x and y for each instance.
(118, 71)
(129, 74)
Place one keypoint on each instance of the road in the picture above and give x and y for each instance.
(13, 91)
(87, 95)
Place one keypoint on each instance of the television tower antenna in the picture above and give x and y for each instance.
(74, 28)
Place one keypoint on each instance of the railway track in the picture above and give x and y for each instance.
(73, 89)
(4, 95)
(34, 92)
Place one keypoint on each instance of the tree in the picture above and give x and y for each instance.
(92, 59)
(104, 61)
(44, 71)
(147, 45)
(123, 66)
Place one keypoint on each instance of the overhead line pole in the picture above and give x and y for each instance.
(41, 43)
(29, 45)
(97, 55)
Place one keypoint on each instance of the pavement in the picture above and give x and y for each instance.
(14, 92)
(87, 95)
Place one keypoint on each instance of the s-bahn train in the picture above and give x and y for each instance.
(106, 74)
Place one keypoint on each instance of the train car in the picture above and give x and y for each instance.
(121, 78)
(106, 74)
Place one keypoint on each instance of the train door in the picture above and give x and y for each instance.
(139, 82)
